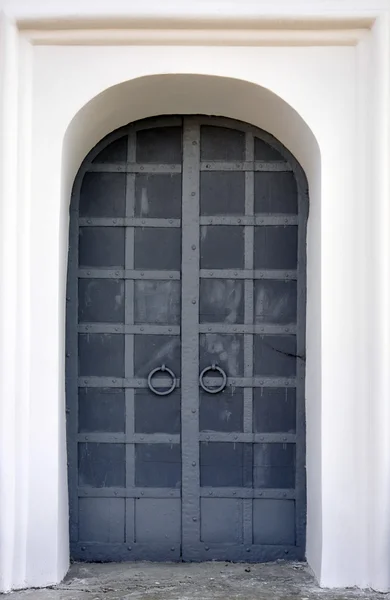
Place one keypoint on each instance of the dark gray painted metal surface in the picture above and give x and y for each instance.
(187, 250)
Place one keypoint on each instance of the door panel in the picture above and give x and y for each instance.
(187, 276)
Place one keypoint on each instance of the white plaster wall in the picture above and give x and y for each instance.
(294, 75)
(8, 182)
(336, 97)
(125, 11)
(378, 216)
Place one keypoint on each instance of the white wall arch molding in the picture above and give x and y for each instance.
(189, 93)
(204, 94)
(328, 104)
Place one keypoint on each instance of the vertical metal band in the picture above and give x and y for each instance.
(300, 477)
(248, 356)
(249, 302)
(192, 548)
(129, 234)
(72, 392)
(247, 521)
(190, 337)
(129, 339)
(248, 338)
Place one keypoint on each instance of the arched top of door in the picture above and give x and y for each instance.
(255, 150)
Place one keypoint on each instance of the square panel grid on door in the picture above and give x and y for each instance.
(187, 252)
(126, 502)
(244, 294)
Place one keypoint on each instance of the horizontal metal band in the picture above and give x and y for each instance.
(256, 438)
(135, 438)
(120, 328)
(217, 220)
(255, 329)
(102, 438)
(205, 551)
(133, 168)
(129, 329)
(139, 383)
(272, 166)
(122, 382)
(130, 551)
(258, 165)
(252, 381)
(247, 274)
(241, 492)
(204, 492)
(119, 273)
(168, 438)
(127, 222)
(254, 221)
(136, 492)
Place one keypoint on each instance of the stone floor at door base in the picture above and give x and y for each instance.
(196, 581)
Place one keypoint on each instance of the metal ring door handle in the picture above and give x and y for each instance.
(213, 367)
(162, 369)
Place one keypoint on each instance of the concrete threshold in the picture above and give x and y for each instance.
(191, 581)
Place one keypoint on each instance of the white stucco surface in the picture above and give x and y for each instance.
(329, 105)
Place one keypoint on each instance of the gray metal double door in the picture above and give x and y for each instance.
(185, 345)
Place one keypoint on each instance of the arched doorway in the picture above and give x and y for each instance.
(186, 332)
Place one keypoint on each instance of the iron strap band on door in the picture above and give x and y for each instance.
(207, 488)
